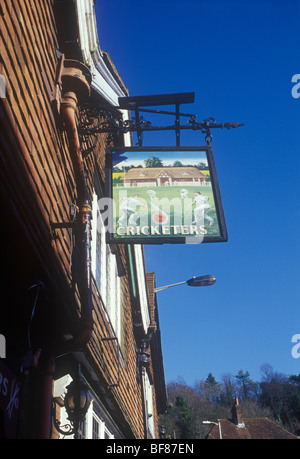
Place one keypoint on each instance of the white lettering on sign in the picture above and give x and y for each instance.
(9, 394)
(10, 388)
(3, 385)
(13, 398)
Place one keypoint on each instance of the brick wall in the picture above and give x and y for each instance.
(37, 183)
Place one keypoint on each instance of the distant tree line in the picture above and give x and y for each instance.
(276, 397)
(156, 162)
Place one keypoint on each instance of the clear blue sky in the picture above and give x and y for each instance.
(239, 58)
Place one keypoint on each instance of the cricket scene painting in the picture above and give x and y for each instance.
(161, 195)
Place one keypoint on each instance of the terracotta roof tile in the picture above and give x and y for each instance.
(256, 428)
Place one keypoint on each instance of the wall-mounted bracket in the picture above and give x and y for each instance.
(62, 225)
(97, 119)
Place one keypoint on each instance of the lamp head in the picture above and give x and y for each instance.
(77, 400)
(201, 281)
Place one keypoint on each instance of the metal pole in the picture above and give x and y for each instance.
(220, 433)
(167, 286)
(177, 126)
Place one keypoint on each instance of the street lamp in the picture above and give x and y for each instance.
(200, 281)
(162, 432)
(76, 402)
(216, 424)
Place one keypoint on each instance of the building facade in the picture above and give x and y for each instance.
(164, 176)
(74, 305)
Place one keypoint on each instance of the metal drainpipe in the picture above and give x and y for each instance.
(75, 84)
(83, 220)
(47, 375)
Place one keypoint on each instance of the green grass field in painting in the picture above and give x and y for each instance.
(181, 213)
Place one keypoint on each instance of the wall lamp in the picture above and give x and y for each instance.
(216, 424)
(200, 281)
(76, 402)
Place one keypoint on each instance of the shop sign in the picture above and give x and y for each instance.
(9, 401)
(162, 195)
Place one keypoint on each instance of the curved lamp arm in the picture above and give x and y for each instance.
(200, 281)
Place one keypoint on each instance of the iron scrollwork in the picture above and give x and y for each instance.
(65, 429)
(210, 123)
(97, 119)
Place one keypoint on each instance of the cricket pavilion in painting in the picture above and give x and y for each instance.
(163, 176)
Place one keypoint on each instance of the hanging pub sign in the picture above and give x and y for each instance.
(158, 195)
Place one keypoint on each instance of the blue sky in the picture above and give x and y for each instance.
(137, 158)
(239, 58)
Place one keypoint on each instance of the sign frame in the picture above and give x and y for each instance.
(113, 238)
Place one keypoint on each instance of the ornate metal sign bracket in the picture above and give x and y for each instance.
(96, 119)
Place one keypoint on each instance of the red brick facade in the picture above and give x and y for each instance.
(38, 184)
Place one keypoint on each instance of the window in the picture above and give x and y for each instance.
(112, 303)
(98, 247)
(98, 252)
(81, 434)
(149, 405)
(96, 428)
(107, 434)
(141, 281)
(105, 270)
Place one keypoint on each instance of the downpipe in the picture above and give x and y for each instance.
(74, 81)
(75, 86)
(83, 221)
